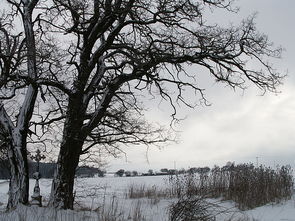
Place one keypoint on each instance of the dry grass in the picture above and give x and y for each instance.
(115, 212)
(246, 185)
(244, 218)
(153, 193)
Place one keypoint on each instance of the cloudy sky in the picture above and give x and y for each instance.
(238, 126)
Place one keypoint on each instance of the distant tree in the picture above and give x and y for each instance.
(120, 173)
(150, 172)
(47, 170)
(193, 170)
(164, 170)
(134, 173)
(101, 173)
(229, 166)
(172, 171)
(203, 170)
(87, 171)
(182, 171)
(127, 173)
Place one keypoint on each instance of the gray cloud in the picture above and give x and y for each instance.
(235, 127)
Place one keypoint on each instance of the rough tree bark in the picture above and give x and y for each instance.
(70, 149)
(17, 134)
(120, 48)
(19, 182)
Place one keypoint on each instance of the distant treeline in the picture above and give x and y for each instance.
(47, 170)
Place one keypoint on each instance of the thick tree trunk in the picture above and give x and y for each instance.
(17, 154)
(19, 181)
(63, 183)
(17, 134)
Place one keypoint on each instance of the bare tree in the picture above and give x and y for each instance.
(18, 72)
(117, 49)
(26, 62)
(103, 54)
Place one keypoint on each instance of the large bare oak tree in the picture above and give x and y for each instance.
(103, 54)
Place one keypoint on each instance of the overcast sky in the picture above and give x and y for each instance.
(238, 126)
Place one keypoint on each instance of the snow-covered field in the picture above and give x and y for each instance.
(109, 195)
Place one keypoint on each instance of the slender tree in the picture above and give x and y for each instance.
(16, 53)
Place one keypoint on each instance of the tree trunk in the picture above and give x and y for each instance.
(17, 154)
(19, 180)
(63, 183)
(17, 134)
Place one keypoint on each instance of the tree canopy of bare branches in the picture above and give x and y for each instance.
(92, 59)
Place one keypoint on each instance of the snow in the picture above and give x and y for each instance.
(4, 186)
(278, 212)
(284, 211)
(25, 213)
(108, 196)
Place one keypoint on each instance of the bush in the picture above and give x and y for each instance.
(120, 173)
(190, 209)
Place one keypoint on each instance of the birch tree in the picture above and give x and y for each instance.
(17, 51)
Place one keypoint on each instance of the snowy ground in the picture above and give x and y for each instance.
(108, 194)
